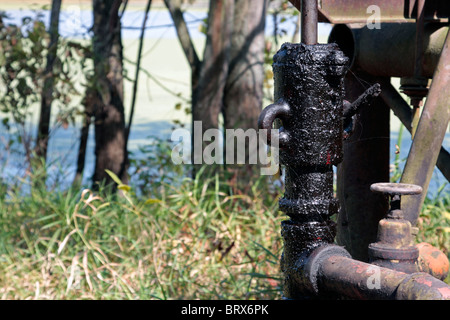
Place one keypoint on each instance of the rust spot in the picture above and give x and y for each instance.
(424, 281)
(360, 268)
(433, 261)
(445, 292)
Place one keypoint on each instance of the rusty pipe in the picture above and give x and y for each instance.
(391, 50)
(420, 20)
(359, 280)
(329, 272)
(433, 261)
(309, 21)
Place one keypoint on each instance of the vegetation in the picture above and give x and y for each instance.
(199, 239)
(183, 238)
(163, 234)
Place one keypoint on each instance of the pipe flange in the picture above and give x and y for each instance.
(313, 264)
(386, 252)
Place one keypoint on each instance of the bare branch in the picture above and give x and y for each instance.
(174, 7)
(138, 64)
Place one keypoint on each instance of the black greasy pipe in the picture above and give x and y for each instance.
(309, 91)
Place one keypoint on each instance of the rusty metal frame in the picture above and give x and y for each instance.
(430, 134)
(398, 11)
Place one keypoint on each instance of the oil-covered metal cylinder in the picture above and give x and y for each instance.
(309, 91)
(310, 80)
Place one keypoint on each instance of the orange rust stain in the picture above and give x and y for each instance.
(445, 292)
(360, 268)
(433, 258)
(424, 281)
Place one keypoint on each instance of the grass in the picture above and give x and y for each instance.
(167, 237)
(434, 222)
(198, 240)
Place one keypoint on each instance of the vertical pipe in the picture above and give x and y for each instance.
(416, 102)
(429, 135)
(419, 38)
(309, 21)
(366, 161)
(309, 90)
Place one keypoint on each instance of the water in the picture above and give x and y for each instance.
(63, 146)
(76, 23)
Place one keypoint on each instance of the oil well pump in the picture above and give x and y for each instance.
(328, 119)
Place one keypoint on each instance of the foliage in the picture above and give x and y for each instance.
(152, 166)
(23, 51)
(195, 240)
(396, 171)
(434, 221)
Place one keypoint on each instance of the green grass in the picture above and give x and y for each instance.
(198, 240)
(434, 222)
(168, 237)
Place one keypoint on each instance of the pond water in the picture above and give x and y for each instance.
(155, 110)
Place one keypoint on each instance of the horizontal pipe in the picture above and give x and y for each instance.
(358, 280)
(390, 50)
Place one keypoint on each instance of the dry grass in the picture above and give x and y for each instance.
(197, 241)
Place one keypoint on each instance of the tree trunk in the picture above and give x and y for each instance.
(47, 93)
(229, 79)
(138, 67)
(90, 102)
(207, 96)
(110, 132)
(208, 91)
(244, 87)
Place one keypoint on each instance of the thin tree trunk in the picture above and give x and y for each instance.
(82, 151)
(174, 7)
(110, 132)
(138, 67)
(243, 97)
(244, 85)
(207, 96)
(46, 97)
(208, 76)
(90, 103)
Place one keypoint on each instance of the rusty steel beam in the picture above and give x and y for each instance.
(401, 11)
(429, 136)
